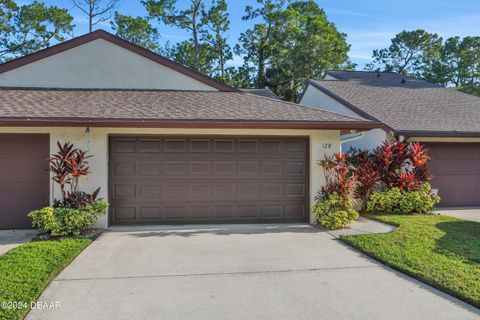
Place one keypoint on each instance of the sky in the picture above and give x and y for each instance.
(369, 24)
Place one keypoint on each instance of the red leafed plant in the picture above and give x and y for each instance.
(418, 155)
(405, 181)
(401, 165)
(338, 175)
(68, 165)
(367, 179)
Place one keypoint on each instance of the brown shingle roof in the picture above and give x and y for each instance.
(158, 105)
(405, 104)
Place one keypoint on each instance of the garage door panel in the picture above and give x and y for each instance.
(203, 180)
(456, 151)
(24, 178)
(459, 183)
(456, 167)
(456, 172)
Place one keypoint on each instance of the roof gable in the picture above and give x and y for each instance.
(101, 60)
(404, 104)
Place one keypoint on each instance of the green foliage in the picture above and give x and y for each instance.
(31, 27)
(65, 221)
(473, 91)
(407, 51)
(441, 251)
(290, 45)
(217, 22)
(454, 62)
(185, 54)
(26, 270)
(257, 43)
(399, 201)
(306, 45)
(136, 30)
(334, 211)
(188, 19)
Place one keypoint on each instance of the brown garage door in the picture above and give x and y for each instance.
(24, 181)
(208, 180)
(456, 172)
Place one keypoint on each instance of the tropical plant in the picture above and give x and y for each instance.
(338, 175)
(68, 165)
(367, 179)
(333, 205)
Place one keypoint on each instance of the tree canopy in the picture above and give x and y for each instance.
(31, 27)
(454, 62)
(287, 41)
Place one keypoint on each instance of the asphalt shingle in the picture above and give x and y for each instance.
(405, 103)
(154, 105)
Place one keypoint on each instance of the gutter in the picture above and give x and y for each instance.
(200, 123)
(353, 138)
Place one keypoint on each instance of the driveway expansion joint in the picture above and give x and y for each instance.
(217, 274)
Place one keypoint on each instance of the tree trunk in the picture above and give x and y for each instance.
(90, 16)
(261, 69)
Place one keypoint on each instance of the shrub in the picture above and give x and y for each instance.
(333, 206)
(334, 211)
(65, 221)
(397, 201)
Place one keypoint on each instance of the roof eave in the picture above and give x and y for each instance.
(437, 134)
(140, 123)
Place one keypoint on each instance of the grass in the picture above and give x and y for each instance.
(26, 270)
(441, 251)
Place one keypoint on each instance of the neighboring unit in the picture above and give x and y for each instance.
(446, 121)
(169, 144)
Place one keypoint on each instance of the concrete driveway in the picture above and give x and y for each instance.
(237, 272)
(472, 214)
(10, 239)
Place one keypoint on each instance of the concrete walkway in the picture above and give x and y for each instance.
(472, 214)
(237, 272)
(362, 226)
(10, 239)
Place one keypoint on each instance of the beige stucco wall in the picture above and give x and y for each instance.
(322, 142)
(99, 64)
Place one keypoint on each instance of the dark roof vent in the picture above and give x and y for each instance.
(403, 81)
(378, 75)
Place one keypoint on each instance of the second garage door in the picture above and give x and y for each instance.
(456, 173)
(208, 180)
(24, 180)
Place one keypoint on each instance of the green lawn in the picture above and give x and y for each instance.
(26, 270)
(441, 251)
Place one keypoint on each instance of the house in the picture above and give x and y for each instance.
(169, 144)
(446, 121)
